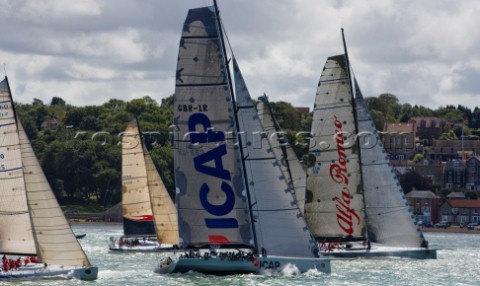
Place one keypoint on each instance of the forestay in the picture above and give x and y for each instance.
(334, 204)
(211, 196)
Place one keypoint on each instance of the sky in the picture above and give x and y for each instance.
(87, 52)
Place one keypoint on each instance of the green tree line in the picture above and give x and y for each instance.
(79, 147)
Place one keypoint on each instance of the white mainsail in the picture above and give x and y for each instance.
(278, 220)
(136, 204)
(211, 197)
(15, 225)
(163, 208)
(389, 219)
(283, 151)
(334, 202)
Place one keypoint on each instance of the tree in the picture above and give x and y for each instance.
(411, 179)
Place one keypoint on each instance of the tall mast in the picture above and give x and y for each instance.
(351, 82)
(230, 87)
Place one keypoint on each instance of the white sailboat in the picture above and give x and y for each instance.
(31, 221)
(354, 203)
(149, 214)
(237, 213)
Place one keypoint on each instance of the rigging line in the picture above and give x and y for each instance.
(5, 68)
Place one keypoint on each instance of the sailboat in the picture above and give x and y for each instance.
(354, 203)
(283, 150)
(149, 214)
(237, 213)
(32, 223)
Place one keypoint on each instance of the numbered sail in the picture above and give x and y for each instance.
(283, 150)
(56, 241)
(163, 208)
(136, 205)
(15, 225)
(334, 204)
(279, 225)
(389, 219)
(211, 196)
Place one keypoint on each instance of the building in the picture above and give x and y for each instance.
(399, 140)
(444, 150)
(460, 211)
(424, 205)
(454, 175)
(428, 127)
(472, 174)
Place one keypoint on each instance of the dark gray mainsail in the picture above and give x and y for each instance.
(211, 197)
(389, 219)
(279, 225)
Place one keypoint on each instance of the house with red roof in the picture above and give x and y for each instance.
(459, 211)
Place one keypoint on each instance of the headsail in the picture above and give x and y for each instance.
(56, 241)
(15, 225)
(334, 202)
(280, 227)
(390, 221)
(211, 196)
(283, 150)
(136, 205)
(163, 208)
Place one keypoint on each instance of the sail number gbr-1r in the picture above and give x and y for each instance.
(192, 107)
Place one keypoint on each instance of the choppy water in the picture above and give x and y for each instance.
(458, 263)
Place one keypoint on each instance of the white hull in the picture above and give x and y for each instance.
(260, 265)
(36, 271)
(382, 251)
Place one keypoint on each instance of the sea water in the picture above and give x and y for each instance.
(458, 263)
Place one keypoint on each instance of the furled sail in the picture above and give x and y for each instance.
(283, 150)
(136, 205)
(163, 208)
(278, 220)
(56, 241)
(334, 202)
(389, 219)
(211, 196)
(15, 225)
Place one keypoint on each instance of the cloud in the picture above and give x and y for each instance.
(425, 52)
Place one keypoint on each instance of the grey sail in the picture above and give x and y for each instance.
(278, 220)
(210, 193)
(283, 150)
(390, 221)
(334, 201)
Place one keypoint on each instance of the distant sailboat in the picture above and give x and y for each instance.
(237, 213)
(352, 191)
(149, 214)
(31, 221)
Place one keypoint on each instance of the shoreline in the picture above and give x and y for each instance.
(451, 229)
